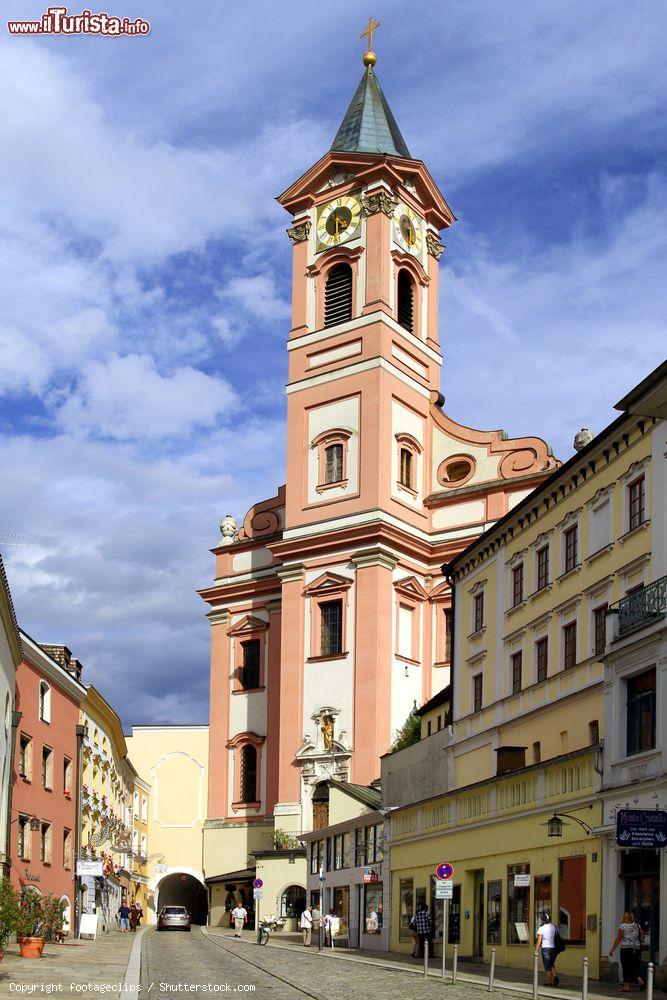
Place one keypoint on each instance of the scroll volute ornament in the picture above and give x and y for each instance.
(379, 201)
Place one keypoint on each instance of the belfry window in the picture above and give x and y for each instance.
(338, 295)
(248, 773)
(333, 467)
(405, 304)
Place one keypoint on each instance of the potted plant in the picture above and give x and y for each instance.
(7, 913)
(29, 924)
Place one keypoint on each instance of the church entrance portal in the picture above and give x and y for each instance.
(181, 889)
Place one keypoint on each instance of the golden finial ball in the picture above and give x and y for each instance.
(370, 58)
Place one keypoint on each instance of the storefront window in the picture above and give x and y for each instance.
(341, 908)
(293, 901)
(494, 912)
(341, 851)
(316, 856)
(406, 908)
(436, 912)
(372, 909)
(572, 899)
(542, 903)
(518, 904)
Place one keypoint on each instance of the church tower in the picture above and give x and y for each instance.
(329, 614)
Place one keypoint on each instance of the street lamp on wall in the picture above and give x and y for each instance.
(555, 824)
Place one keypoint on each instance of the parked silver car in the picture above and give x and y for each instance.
(173, 918)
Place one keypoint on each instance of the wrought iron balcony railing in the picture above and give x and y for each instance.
(642, 606)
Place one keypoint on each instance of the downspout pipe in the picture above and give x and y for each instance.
(447, 572)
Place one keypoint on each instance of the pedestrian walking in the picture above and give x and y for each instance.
(307, 926)
(240, 918)
(326, 924)
(629, 937)
(141, 912)
(546, 943)
(317, 920)
(134, 917)
(124, 916)
(423, 927)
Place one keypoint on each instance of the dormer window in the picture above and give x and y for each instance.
(333, 464)
(405, 301)
(338, 295)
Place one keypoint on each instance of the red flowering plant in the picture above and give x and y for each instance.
(29, 914)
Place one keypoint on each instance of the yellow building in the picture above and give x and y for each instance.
(173, 761)
(140, 843)
(521, 736)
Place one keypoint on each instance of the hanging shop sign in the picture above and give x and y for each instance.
(641, 828)
(92, 868)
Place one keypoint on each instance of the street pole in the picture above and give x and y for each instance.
(444, 934)
(320, 933)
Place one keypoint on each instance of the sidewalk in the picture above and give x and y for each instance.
(103, 961)
(516, 981)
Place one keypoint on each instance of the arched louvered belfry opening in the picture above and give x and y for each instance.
(248, 773)
(338, 295)
(405, 304)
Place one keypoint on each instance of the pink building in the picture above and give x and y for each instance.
(44, 798)
(329, 615)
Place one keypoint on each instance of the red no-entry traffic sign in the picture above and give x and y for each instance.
(444, 871)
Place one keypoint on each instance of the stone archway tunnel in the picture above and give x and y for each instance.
(182, 889)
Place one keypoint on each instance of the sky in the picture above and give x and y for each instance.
(145, 274)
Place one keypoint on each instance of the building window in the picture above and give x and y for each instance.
(338, 295)
(316, 856)
(449, 620)
(67, 848)
(67, 776)
(45, 843)
(636, 503)
(25, 757)
(341, 851)
(517, 585)
(542, 657)
(144, 809)
(478, 604)
(572, 899)
(477, 692)
(406, 908)
(517, 659)
(293, 901)
(600, 527)
(47, 768)
(600, 628)
(594, 732)
(250, 665)
(331, 628)
(569, 645)
(44, 702)
(248, 775)
(23, 838)
(571, 545)
(537, 752)
(373, 915)
(135, 804)
(333, 464)
(144, 846)
(428, 728)
(543, 567)
(542, 902)
(405, 310)
(518, 905)
(405, 474)
(494, 911)
(135, 840)
(641, 712)
(372, 835)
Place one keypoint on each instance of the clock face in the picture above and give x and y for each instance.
(338, 221)
(407, 228)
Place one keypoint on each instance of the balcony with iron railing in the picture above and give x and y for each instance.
(642, 607)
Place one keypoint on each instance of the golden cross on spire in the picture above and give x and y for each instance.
(368, 32)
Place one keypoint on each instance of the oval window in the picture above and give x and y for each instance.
(456, 470)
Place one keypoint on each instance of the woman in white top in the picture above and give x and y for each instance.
(630, 938)
(546, 943)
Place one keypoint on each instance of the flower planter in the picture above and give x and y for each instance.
(31, 947)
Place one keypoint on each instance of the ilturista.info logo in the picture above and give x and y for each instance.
(58, 21)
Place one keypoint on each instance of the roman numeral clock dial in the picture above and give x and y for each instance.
(338, 221)
(407, 228)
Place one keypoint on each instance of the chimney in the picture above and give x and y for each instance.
(63, 657)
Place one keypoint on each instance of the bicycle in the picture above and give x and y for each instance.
(263, 935)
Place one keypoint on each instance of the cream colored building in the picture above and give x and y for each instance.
(173, 761)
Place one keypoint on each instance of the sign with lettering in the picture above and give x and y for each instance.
(88, 924)
(370, 875)
(92, 868)
(257, 893)
(444, 890)
(521, 881)
(641, 828)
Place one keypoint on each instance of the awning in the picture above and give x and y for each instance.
(243, 875)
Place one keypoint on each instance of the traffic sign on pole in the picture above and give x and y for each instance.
(444, 890)
(257, 884)
(444, 871)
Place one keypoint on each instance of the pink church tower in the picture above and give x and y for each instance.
(329, 614)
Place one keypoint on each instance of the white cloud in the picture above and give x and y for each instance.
(126, 398)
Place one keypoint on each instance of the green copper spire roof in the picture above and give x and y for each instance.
(368, 125)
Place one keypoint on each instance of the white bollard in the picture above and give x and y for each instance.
(584, 981)
(492, 970)
(455, 962)
(425, 958)
(536, 973)
(649, 981)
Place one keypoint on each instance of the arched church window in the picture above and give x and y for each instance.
(248, 774)
(405, 304)
(333, 463)
(338, 295)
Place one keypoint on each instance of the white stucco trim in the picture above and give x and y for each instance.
(361, 366)
(154, 883)
(360, 321)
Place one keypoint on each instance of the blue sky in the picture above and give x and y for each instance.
(144, 274)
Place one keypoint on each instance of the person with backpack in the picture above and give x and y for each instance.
(550, 943)
(630, 939)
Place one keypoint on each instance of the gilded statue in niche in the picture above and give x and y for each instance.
(328, 731)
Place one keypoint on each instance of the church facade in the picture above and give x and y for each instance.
(330, 619)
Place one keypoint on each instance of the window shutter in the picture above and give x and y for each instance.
(338, 295)
(405, 301)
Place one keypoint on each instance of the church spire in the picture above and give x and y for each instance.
(368, 125)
